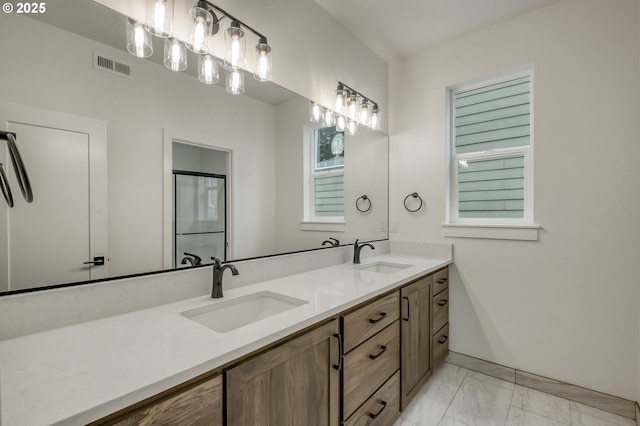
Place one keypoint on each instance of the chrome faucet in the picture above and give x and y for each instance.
(357, 248)
(193, 259)
(218, 270)
(332, 242)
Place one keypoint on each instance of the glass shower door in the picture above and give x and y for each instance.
(200, 217)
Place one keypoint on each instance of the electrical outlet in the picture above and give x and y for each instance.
(394, 226)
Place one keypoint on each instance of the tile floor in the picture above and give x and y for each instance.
(455, 396)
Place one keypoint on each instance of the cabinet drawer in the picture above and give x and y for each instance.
(440, 280)
(382, 408)
(440, 344)
(440, 311)
(369, 366)
(370, 319)
(199, 406)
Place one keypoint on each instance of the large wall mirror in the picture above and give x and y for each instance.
(143, 168)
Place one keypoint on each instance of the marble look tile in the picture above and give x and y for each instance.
(519, 417)
(481, 400)
(448, 421)
(482, 366)
(589, 397)
(402, 421)
(583, 415)
(430, 403)
(449, 373)
(542, 404)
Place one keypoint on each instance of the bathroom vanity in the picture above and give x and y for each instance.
(340, 349)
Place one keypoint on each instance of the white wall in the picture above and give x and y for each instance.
(565, 306)
(59, 76)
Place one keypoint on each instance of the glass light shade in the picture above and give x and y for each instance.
(139, 41)
(235, 81)
(263, 61)
(341, 123)
(315, 112)
(236, 46)
(160, 17)
(341, 100)
(327, 117)
(175, 55)
(352, 127)
(374, 123)
(352, 107)
(208, 69)
(201, 30)
(364, 114)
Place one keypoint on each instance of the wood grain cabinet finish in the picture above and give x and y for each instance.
(416, 337)
(382, 408)
(201, 405)
(290, 385)
(440, 280)
(365, 322)
(368, 366)
(440, 345)
(440, 309)
(440, 319)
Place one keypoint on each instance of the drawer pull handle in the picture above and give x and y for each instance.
(408, 306)
(383, 349)
(443, 302)
(382, 315)
(443, 340)
(339, 366)
(442, 280)
(374, 415)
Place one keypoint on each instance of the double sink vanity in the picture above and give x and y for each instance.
(345, 344)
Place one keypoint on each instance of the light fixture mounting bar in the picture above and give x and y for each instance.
(233, 18)
(352, 90)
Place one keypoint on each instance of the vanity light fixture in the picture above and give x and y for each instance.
(138, 40)
(374, 123)
(363, 114)
(352, 106)
(341, 99)
(160, 17)
(205, 20)
(175, 55)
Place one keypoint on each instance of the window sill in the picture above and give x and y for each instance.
(494, 232)
(307, 225)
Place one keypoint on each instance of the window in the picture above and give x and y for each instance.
(325, 175)
(491, 168)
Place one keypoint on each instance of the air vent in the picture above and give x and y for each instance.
(102, 63)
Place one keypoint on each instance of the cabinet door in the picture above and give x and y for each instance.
(290, 385)
(416, 336)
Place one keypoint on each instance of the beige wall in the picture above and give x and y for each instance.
(565, 306)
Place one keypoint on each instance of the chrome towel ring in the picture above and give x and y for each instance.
(414, 195)
(364, 199)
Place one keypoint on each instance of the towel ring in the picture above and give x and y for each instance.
(414, 195)
(4, 186)
(363, 198)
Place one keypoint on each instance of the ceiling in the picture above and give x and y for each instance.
(399, 28)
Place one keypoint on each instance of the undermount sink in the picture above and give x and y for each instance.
(244, 310)
(383, 267)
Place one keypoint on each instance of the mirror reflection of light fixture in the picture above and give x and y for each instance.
(327, 117)
(341, 123)
(236, 45)
(203, 20)
(175, 55)
(263, 60)
(315, 112)
(160, 17)
(352, 127)
(208, 69)
(235, 81)
(138, 40)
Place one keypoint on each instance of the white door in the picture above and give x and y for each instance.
(49, 240)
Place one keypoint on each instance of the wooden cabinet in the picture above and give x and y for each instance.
(293, 384)
(198, 405)
(416, 337)
(371, 362)
(440, 321)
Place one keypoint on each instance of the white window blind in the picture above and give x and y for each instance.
(491, 173)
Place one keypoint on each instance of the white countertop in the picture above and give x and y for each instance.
(81, 373)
